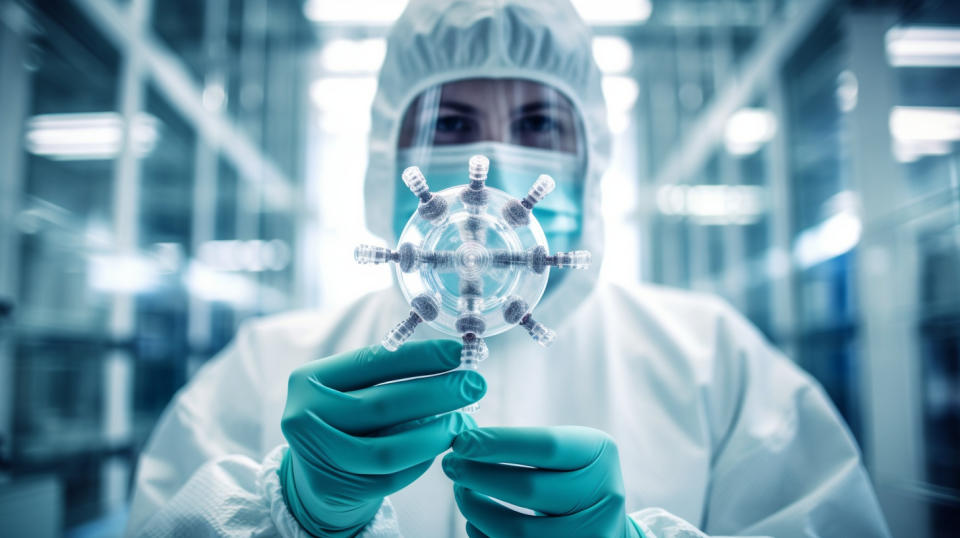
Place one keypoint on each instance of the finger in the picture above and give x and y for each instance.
(384, 485)
(560, 448)
(366, 410)
(389, 454)
(325, 476)
(473, 532)
(492, 518)
(548, 492)
(320, 444)
(372, 365)
(496, 520)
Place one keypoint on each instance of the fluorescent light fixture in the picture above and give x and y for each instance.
(612, 54)
(621, 94)
(372, 12)
(748, 130)
(833, 237)
(88, 136)
(912, 151)
(614, 11)
(923, 131)
(923, 46)
(353, 55)
(344, 102)
(713, 204)
(836, 235)
(910, 123)
(212, 285)
(254, 256)
(122, 273)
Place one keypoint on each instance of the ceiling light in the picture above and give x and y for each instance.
(915, 123)
(87, 136)
(352, 55)
(613, 11)
(923, 46)
(748, 130)
(373, 12)
(612, 54)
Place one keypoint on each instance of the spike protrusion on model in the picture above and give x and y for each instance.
(516, 310)
(578, 259)
(517, 212)
(408, 257)
(425, 308)
(537, 259)
(475, 195)
(376, 255)
(432, 207)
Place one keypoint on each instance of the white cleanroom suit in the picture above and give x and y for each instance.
(718, 433)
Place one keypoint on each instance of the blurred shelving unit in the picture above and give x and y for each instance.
(150, 200)
(844, 118)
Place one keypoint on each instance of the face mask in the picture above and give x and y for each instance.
(513, 170)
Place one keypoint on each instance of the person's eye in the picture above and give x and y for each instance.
(455, 124)
(537, 124)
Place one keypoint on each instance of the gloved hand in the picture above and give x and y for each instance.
(571, 479)
(353, 441)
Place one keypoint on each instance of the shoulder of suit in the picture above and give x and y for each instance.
(659, 300)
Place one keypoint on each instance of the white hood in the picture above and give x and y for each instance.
(438, 41)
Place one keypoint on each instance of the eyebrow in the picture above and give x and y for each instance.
(527, 108)
(540, 105)
(459, 107)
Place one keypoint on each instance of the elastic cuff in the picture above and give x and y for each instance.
(658, 523)
(269, 482)
(384, 523)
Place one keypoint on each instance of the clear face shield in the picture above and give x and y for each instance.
(524, 127)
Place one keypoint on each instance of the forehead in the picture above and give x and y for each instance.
(491, 93)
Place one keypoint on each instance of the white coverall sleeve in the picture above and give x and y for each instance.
(784, 463)
(203, 473)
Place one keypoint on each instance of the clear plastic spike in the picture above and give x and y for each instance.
(432, 207)
(578, 259)
(414, 179)
(516, 310)
(543, 186)
(538, 331)
(517, 212)
(425, 308)
(365, 254)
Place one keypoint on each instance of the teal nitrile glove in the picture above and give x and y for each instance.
(354, 441)
(571, 479)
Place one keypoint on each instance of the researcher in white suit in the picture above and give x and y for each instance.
(658, 413)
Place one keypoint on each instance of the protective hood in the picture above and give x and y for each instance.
(438, 41)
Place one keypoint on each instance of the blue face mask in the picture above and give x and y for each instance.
(513, 170)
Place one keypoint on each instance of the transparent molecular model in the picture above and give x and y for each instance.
(472, 262)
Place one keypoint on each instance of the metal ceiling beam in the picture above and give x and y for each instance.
(771, 50)
(175, 83)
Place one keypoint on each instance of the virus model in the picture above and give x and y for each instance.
(472, 262)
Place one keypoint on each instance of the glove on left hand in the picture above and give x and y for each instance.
(571, 478)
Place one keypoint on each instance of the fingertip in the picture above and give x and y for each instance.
(449, 466)
(465, 444)
(474, 386)
(449, 351)
(458, 492)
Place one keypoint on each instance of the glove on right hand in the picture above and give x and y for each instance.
(354, 441)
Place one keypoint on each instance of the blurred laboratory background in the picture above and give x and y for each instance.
(171, 168)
